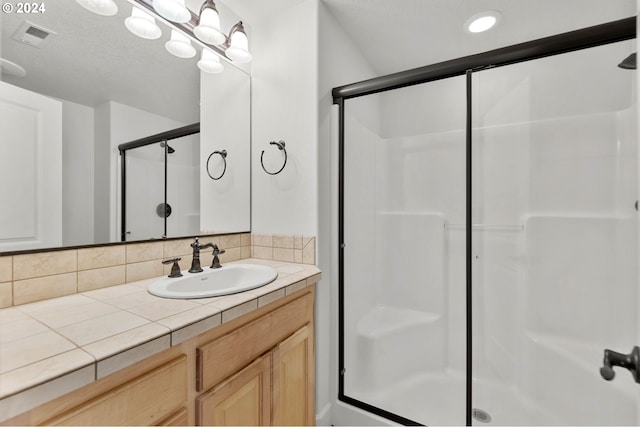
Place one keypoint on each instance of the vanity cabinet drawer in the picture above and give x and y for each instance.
(229, 353)
(144, 400)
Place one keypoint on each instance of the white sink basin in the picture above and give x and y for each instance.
(228, 279)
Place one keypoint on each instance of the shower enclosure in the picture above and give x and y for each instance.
(489, 236)
(160, 185)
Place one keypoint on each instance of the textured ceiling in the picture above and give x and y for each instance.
(94, 58)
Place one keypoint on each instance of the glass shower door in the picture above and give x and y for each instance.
(404, 210)
(145, 193)
(555, 239)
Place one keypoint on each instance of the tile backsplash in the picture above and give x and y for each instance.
(43, 275)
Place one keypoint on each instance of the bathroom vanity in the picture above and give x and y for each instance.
(254, 369)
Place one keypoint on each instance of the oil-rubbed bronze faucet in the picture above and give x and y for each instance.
(195, 263)
(216, 252)
(175, 268)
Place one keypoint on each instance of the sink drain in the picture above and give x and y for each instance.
(480, 415)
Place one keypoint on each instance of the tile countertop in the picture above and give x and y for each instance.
(52, 347)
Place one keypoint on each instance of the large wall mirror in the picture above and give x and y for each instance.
(67, 103)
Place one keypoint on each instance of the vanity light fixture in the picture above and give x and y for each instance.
(142, 24)
(101, 7)
(210, 62)
(180, 45)
(238, 49)
(208, 28)
(482, 21)
(173, 10)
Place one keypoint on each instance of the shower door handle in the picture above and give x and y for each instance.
(629, 361)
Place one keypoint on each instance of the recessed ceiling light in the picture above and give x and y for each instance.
(482, 21)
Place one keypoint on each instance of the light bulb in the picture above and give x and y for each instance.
(208, 29)
(238, 49)
(173, 10)
(210, 63)
(180, 45)
(101, 7)
(142, 24)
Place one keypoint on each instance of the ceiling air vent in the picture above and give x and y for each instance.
(33, 35)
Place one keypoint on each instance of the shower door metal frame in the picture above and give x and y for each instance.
(612, 32)
(142, 142)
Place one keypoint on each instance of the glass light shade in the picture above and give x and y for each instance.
(142, 24)
(208, 29)
(180, 45)
(173, 10)
(101, 7)
(210, 63)
(238, 49)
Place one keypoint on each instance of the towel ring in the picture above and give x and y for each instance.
(223, 154)
(280, 146)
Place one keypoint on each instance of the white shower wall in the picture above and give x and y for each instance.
(554, 238)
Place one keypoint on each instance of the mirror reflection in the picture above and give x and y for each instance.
(75, 85)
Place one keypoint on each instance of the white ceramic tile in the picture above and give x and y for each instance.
(11, 314)
(228, 301)
(83, 333)
(126, 340)
(134, 299)
(187, 318)
(60, 318)
(295, 287)
(239, 310)
(43, 370)
(290, 268)
(195, 329)
(32, 349)
(134, 355)
(112, 292)
(30, 398)
(20, 329)
(57, 305)
(162, 307)
(271, 297)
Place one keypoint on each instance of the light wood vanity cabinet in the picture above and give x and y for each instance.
(146, 400)
(261, 373)
(257, 369)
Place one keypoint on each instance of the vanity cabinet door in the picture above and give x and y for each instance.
(242, 400)
(144, 400)
(294, 380)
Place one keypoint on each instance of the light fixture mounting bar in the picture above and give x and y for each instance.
(187, 27)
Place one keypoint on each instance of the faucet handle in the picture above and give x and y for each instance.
(175, 269)
(216, 261)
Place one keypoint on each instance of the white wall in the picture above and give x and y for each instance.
(339, 63)
(77, 174)
(284, 107)
(225, 124)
